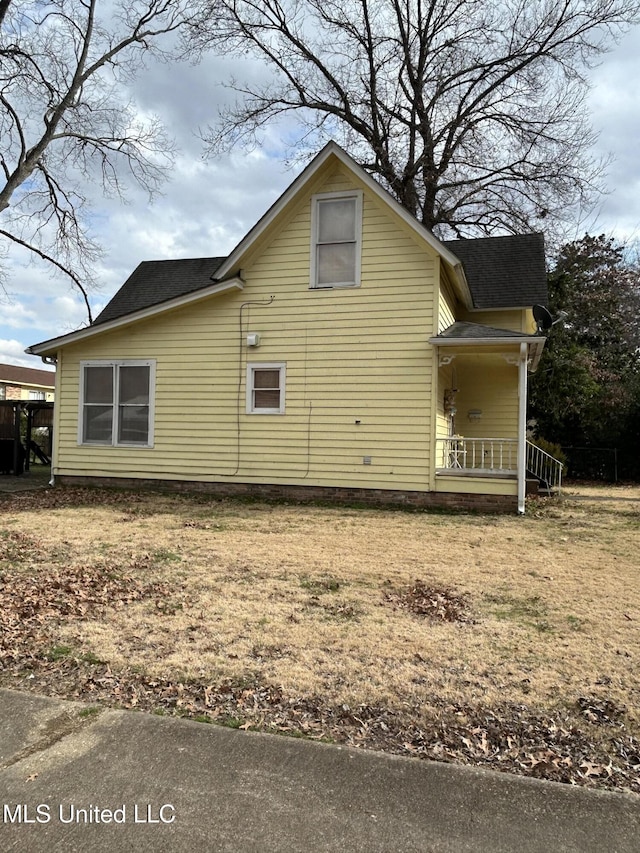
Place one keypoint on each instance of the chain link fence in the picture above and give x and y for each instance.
(593, 463)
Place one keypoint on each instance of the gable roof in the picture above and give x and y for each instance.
(332, 151)
(504, 272)
(155, 282)
(493, 272)
(14, 375)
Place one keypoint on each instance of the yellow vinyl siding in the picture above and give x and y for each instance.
(491, 385)
(514, 319)
(351, 354)
(476, 485)
(446, 314)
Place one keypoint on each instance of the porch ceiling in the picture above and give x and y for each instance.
(488, 356)
(476, 339)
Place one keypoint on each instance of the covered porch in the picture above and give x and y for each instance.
(480, 443)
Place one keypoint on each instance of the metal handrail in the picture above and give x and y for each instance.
(544, 466)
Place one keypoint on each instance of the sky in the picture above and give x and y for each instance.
(207, 206)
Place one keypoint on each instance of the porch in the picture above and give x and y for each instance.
(496, 458)
(20, 422)
(481, 412)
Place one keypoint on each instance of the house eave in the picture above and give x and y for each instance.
(50, 347)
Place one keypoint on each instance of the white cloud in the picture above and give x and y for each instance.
(12, 352)
(15, 315)
(615, 109)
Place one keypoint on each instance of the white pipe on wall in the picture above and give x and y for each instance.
(522, 427)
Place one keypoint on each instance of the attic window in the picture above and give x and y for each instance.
(116, 403)
(336, 231)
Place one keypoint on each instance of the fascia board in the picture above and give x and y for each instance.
(51, 346)
(452, 342)
(233, 260)
(493, 308)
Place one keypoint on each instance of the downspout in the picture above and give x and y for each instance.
(53, 360)
(522, 427)
(57, 397)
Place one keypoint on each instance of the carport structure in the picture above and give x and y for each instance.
(15, 452)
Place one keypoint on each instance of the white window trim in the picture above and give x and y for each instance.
(116, 363)
(315, 199)
(266, 365)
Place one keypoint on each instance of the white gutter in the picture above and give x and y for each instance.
(522, 427)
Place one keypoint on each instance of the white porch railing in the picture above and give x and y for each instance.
(497, 456)
(493, 455)
(545, 467)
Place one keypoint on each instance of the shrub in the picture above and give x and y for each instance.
(553, 450)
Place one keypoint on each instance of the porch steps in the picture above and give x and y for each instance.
(546, 469)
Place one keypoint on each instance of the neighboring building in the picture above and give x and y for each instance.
(341, 351)
(25, 383)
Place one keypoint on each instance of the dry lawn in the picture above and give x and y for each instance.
(318, 601)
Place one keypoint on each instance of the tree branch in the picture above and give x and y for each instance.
(63, 119)
(51, 260)
(426, 93)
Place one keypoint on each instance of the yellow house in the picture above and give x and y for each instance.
(339, 352)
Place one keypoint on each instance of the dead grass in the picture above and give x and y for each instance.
(322, 601)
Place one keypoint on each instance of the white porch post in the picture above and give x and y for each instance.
(522, 427)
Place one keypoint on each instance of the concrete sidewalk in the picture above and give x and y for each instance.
(77, 779)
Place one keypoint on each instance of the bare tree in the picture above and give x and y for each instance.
(472, 113)
(63, 124)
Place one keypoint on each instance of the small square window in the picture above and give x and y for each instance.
(336, 227)
(265, 389)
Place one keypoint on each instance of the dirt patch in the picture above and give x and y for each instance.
(511, 642)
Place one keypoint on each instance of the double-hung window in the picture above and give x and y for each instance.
(265, 388)
(336, 230)
(116, 403)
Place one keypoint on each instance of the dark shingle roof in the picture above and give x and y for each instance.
(459, 330)
(503, 272)
(12, 374)
(153, 282)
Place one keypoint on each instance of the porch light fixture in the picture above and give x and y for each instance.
(474, 414)
(253, 339)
